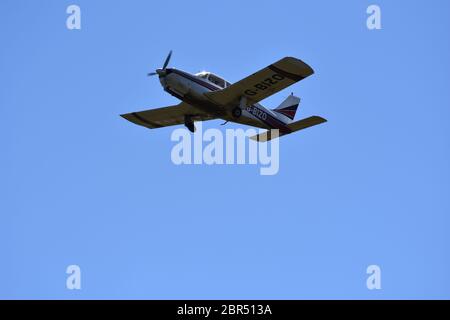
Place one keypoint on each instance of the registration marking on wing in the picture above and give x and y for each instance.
(265, 84)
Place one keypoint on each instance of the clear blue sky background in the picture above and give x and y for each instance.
(80, 185)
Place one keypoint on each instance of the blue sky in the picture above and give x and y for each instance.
(80, 185)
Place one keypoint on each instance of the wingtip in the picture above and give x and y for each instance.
(302, 67)
(321, 119)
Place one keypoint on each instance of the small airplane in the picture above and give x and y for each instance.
(206, 96)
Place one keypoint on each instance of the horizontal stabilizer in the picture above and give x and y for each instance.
(295, 126)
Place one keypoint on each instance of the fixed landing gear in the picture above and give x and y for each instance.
(189, 123)
(236, 112)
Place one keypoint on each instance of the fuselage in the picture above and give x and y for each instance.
(192, 88)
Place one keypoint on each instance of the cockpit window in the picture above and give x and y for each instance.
(216, 80)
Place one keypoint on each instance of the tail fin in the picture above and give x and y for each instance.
(288, 107)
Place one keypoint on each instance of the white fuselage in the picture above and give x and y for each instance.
(191, 89)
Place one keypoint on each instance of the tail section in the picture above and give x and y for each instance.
(295, 126)
(288, 107)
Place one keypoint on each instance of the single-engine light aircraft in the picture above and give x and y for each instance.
(206, 96)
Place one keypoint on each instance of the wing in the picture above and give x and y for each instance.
(167, 116)
(263, 83)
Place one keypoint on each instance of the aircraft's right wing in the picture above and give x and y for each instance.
(168, 116)
(263, 83)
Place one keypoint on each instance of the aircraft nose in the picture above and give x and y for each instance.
(163, 80)
(161, 72)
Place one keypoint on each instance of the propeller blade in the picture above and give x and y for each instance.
(162, 72)
(167, 60)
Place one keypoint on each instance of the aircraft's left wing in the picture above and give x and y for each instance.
(263, 83)
(168, 116)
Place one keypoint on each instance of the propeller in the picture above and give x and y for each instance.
(162, 72)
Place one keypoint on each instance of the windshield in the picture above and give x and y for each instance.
(213, 78)
(216, 80)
